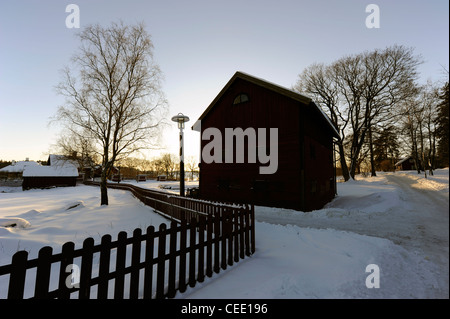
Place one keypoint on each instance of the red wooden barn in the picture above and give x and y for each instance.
(304, 177)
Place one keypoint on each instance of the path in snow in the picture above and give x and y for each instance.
(417, 220)
(428, 216)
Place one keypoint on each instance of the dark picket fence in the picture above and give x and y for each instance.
(173, 206)
(154, 264)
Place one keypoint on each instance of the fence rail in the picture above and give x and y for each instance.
(173, 206)
(202, 239)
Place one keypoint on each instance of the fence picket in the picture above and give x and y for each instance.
(216, 223)
(160, 272)
(183, 252)
(247, 234)
(251, 212)
(41, 287)
(66, 261)
(172, 259)
(148, 269)
(219, 235)
(192, 240)
(242, 228)
(201, 249)
(225, 228)
(209, 243)
(18, 273)
(119, 282)
(135, 260)
(105, 257)
(86, 268)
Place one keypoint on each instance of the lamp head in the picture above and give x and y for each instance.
(180, 118)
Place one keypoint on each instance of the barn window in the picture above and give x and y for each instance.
(241, 98)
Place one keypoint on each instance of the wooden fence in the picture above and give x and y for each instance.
(154, 264)
(173, 206)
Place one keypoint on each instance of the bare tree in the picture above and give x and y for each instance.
(318, 80)
(425, 117)
(192, 165)
(79, 148)
(373, 84)
(168, 164)
(360, 91)
(113, 92)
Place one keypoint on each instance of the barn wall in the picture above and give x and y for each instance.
(242, 182)
(290, 186)
(44, 182)
(319, 166)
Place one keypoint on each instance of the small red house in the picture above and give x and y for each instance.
(267, 119)
(58, 172)
(406, 164)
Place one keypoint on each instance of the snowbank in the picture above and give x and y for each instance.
(319, 254)
(14, 222)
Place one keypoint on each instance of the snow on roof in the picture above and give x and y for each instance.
(17, 167)
(402, 160)
(61, 160)
(68, 170)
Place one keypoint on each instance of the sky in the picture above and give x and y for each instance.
(198, 45)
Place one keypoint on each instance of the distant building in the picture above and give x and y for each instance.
(305, 175)
(59, 172)
(15, 170)
(406, 164)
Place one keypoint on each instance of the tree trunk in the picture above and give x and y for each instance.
(422, 151)
(104, 188)
(414, 150)
(354, 163)
(345, 172)
(372, 161)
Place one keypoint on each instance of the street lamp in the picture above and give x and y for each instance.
(181, 119)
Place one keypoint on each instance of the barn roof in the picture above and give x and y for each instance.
(401, 161)
(268, 85)
(18, 167)
(59, 166)
(61, 160)
(50, 171)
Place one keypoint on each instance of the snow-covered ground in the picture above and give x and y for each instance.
(396, 221)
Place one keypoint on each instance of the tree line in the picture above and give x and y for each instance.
(115, 107)
(380, 110)
(166, 164)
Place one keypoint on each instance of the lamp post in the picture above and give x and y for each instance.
(181, 119)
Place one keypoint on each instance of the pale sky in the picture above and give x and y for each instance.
(198, 45)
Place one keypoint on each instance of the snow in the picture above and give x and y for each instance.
(397, 221)
(67, 170)
(18, 167)
(59, 167)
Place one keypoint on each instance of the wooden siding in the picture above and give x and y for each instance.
(300, 131)
(45, 182)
